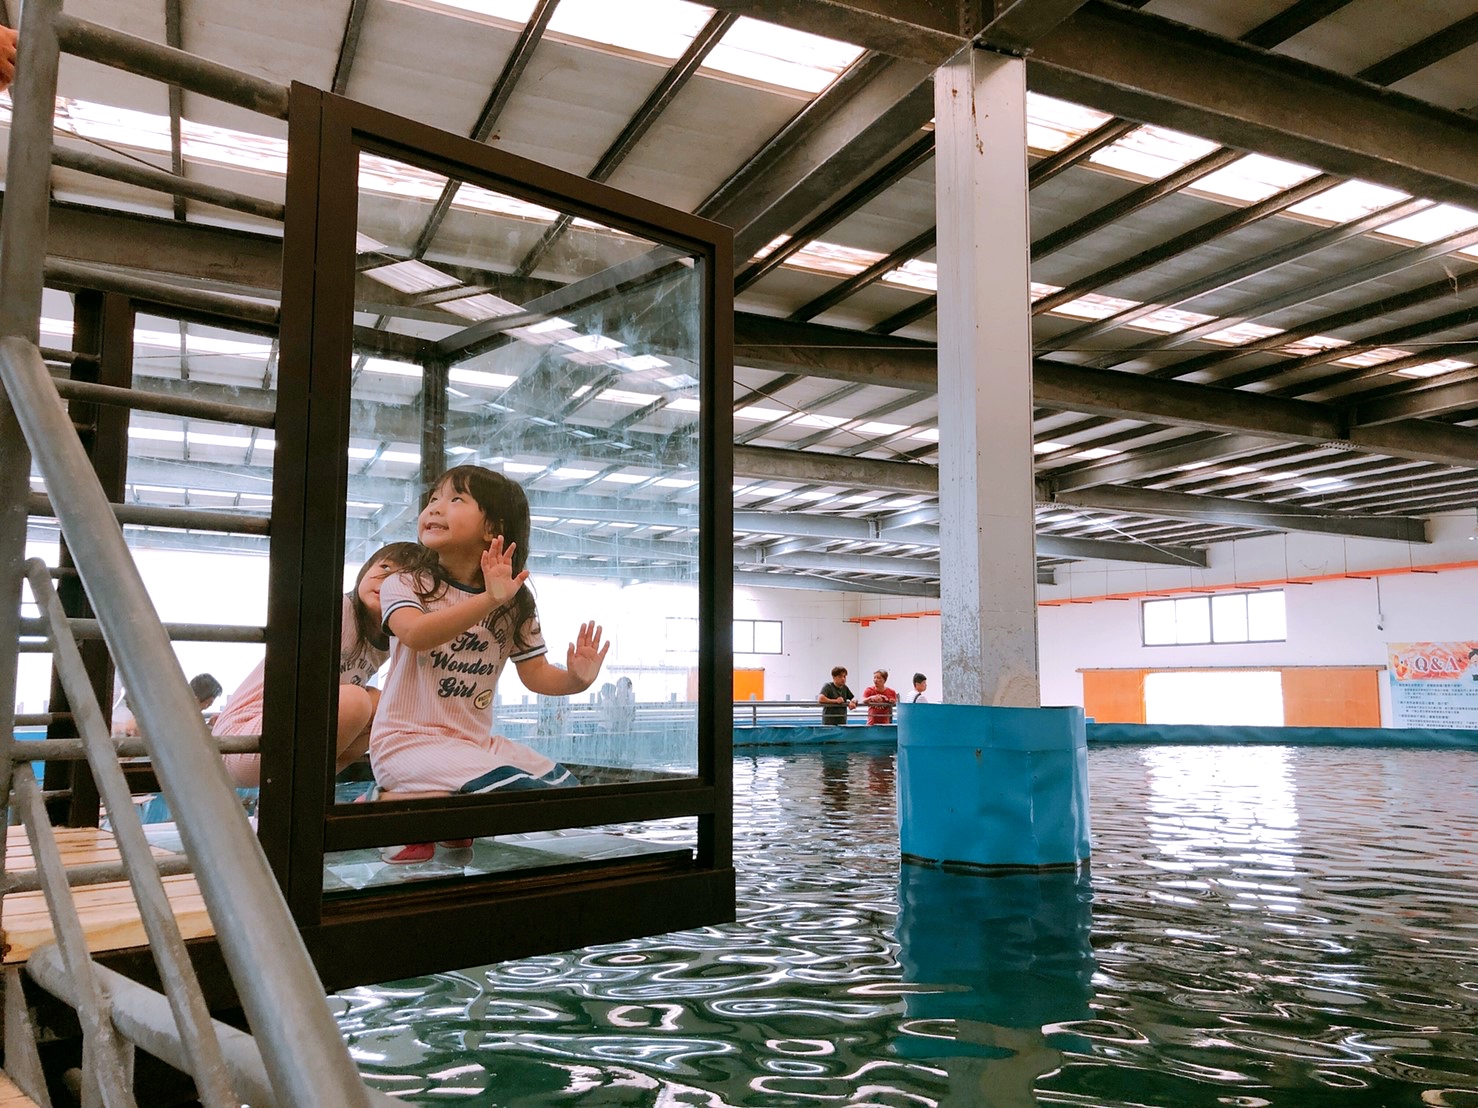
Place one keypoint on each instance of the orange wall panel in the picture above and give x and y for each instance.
(1114, 695)
(749, 684)
(1332, 696)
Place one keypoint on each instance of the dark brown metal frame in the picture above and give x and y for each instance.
(410, 929)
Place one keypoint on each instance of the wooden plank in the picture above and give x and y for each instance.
(110, 917)
(10, 1096)
(80, 846)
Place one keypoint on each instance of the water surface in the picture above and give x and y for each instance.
(1261, 926)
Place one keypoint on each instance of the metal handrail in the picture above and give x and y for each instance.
(277, 983)
(192, 1017)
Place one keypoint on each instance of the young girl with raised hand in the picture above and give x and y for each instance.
(454, 622)
(363, 648)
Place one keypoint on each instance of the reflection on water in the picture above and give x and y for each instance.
(1292, 927)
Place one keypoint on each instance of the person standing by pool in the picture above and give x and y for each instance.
(835, 698)
(920, 686)
(879, 699)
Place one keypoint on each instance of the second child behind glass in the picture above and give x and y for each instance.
(455, 620)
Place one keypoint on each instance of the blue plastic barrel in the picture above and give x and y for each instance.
(992, 788)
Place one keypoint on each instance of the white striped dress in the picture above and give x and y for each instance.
(433, 728)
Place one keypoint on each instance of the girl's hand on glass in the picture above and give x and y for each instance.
(499, 581)
(586, 654)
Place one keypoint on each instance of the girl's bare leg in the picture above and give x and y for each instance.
(356, 713)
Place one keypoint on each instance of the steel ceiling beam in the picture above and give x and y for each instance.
(877, 105)
(1262, 515)
(1019, 25)
(1429, 51)
(756, 578)
(349, 46)
(931, 32)
(1152, 69)
(874, 185)
(1290, 21)
(666, 90)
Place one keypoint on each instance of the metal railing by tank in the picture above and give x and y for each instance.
(296, 1055)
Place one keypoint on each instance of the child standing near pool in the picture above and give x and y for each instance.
(363, 649)
(454, 622)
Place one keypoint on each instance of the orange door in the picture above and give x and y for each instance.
(749, 684)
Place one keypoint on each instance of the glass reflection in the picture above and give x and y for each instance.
(998, 961)
(561, 355)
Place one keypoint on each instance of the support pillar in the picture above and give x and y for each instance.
(987, 555)
(988, 781)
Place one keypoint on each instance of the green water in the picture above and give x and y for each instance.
(1263, 926)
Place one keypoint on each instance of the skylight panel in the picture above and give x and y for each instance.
(1348, 201)
(591, 342)
(624, 478)
(760, 413)
(915, 274)
(780, 56)
(1434, 369)
(819, 422)
(928, 434)
(684, 404)
(638, 363)
(1152, 152)
(1238, 333)
(522, 467)
(832, 258)
(1093, 453)
(1253, 177)
(483, 305)
(391, 368)
(1435, 223)
(574, 473)
(676, 483)
(1051, 123)
(621, 396)
(1048, 447)
(664, 29)
(882, 428)
(201, 344)
(411, 277)
(478, 378)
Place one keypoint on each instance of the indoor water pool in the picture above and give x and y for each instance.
(1289, 926)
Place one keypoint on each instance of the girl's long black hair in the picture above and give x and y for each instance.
(369, 631)
(507, 510)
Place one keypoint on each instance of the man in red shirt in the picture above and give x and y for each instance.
(879, 699)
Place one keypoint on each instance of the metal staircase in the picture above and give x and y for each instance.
(296, 1055)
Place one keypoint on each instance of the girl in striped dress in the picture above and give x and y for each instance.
(363, 648)
(455, 620)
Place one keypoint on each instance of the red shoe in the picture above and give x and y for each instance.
(408, 854)
(456, 844)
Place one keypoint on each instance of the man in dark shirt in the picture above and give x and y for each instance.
(836, 698)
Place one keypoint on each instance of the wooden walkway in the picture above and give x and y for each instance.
(109, 914)
(11, 1097)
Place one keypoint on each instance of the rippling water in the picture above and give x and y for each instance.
(1261, 926)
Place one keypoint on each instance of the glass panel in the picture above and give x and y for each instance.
(1266, 618)
(1229, 617)
(1159, 622)
(1192, 620)
(557, 365)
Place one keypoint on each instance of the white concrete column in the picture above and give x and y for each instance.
(987, 539)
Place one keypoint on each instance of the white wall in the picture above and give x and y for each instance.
(1330, 622)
